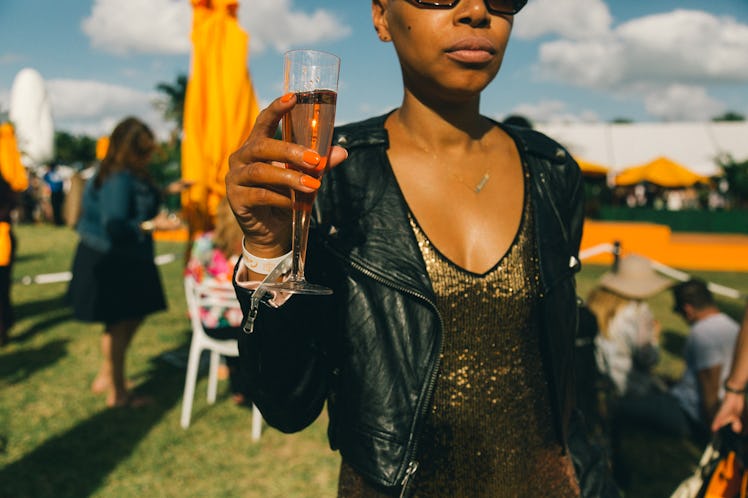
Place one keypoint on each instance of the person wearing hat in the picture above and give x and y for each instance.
(627, 346)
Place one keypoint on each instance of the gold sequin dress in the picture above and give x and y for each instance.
(489, 432)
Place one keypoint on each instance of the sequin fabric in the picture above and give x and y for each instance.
(489, 432)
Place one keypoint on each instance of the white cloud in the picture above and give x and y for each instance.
(145, 26)
(683, 103)
(574, 19)
(275, 23)
(680, 46)
(163, 26)
(553, 111)
(94, 108)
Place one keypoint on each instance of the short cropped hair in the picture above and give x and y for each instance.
(694, 292)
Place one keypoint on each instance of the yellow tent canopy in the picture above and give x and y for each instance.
(660, 171)
(592, 169)
(220, 107)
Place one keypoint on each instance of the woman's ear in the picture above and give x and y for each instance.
(379, 18)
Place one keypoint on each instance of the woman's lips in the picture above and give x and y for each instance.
(472, 51)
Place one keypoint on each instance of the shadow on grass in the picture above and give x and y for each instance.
(19, 366)
(28, 257)
(35, 308)
(672, 342)
(64, 315)
(651, 465)
(76, 463)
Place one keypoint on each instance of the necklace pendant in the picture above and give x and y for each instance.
(482, 183)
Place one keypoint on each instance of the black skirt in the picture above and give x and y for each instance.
(113, 286)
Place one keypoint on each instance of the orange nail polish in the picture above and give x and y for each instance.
(310, 182)
(311, 157)
(287, 97)
(322, 164)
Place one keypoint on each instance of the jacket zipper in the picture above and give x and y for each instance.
(411, 451)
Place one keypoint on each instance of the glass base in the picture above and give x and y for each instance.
(299, 287)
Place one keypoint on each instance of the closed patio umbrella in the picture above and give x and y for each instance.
(11, 167)
(220, 107)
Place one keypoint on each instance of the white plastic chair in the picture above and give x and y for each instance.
(201, 295)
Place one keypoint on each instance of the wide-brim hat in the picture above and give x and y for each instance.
(635, 278)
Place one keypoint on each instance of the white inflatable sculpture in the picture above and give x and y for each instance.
(31, 114)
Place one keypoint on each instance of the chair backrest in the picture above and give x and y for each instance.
(205, 295)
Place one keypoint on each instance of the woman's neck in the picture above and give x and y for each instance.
(442, 126)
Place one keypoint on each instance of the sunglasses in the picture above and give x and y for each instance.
(496, 7)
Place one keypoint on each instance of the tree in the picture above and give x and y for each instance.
(172, 104)
(736, 174)
(729, 116)
(71, 149)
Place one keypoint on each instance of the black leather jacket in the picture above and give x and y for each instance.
(371, 350)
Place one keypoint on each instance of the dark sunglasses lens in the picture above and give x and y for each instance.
(506, 6)
(438, 3)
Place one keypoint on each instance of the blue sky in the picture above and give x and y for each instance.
(569, 60)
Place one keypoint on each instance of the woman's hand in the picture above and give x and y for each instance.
(178, 186)
(163, 221)
(730, 412)
(258, 184)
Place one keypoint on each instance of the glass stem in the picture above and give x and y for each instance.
(300, 229)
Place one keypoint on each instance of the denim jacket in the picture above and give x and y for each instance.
(113, 212)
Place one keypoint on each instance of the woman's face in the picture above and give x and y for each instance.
(449, 54)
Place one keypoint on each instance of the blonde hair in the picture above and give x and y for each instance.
(227, 235)
(604, 304)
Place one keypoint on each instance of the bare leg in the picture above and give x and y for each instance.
(114, 346)
(103, 381)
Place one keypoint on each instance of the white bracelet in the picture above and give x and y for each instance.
(263, 266)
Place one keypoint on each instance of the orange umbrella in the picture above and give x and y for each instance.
(661, 171)
(102, 146)
(12, 170)
(220, 106)
(11, 167)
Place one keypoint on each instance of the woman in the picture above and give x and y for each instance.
(115, 280)
(445, 353)
(212, 261)
(628, 343)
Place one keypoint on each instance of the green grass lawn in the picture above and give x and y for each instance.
(58, 440)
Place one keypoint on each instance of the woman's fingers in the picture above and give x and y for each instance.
(337, 156)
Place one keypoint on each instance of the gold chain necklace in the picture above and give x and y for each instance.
(478, 186)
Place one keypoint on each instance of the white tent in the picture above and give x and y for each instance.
(31, 114)
(697, 146)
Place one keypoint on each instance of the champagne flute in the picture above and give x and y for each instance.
(313, 76)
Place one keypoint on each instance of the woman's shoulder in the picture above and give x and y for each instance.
(537, 143)
(366, 133)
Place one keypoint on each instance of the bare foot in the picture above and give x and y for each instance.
(100, 385)
(130, 400)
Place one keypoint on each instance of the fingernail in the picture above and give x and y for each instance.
(287, 97)
(310, 182)
(322, 164)
(311, 157)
